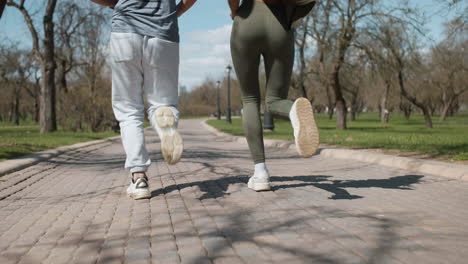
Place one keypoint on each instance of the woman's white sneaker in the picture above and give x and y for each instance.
(260, 182)
(165, 124)
(306, 133)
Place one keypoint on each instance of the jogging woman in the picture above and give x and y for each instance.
(262, 28)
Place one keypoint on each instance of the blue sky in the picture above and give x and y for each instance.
(204, 32)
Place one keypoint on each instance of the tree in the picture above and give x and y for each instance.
(301, 46)
(354, 76)
(403, 58)
(70, 18)
(90, 39)
(15, 72)
(336, 25)
(321, 30)
(449, 68)
(461, 13)
(46, 58)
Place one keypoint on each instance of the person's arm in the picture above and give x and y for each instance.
(233, 5)
(109, 3)
(2, 6)
(183, 6)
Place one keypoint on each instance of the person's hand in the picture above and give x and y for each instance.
(233, 14)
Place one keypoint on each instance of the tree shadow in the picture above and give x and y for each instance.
(215, 188)
(337, 187)
(238, 229)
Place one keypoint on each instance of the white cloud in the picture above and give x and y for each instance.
(204, 53)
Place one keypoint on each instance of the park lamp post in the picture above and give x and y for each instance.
(228, 109)
(218, 106)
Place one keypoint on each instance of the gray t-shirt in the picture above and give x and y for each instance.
(154, 18)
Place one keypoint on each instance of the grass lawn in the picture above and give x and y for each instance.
(18, 141)
(447, 140)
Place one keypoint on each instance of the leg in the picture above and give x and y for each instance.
(161, 73)
(246, 60)
(127, 99)
(278, 69)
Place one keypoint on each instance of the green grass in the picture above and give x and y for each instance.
(447, 140)
(22, 140)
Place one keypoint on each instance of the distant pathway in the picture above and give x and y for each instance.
(73, 209)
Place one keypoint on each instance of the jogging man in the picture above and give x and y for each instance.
(144, 58)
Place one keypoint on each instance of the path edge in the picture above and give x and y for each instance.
(444, 169)
(17, 164)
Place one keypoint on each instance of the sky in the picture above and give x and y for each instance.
(204, 36)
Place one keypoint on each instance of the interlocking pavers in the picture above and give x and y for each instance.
(74, 209)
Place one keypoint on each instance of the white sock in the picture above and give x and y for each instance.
(261, 170)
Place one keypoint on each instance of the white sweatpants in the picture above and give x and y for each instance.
(141, 66)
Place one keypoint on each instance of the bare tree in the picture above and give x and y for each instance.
(460, 7)
(302, 34)
(34, 91)
(449, 67)
(15, 72)
(336, 26)
(378, 61)
(403, 58)
(91, 38)
(46, 58)
(354, 76)
(320, 28)
(70, 18)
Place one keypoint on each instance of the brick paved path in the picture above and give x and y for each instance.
(73, 209)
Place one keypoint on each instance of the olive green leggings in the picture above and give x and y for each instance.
(259, 30)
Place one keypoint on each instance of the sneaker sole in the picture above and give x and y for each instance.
(171, 142)
(140, 195)
(307, 140)
(258, 187)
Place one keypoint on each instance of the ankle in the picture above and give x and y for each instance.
(261, 170)
(138, 174)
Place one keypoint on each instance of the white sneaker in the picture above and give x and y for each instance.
(259, 182)
(306, 133)
(165, 124)
(139, 189)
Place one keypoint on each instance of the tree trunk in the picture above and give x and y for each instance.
(427, 117)
(37, 103)
(352, 114)
(354, 106)
(448, 107)
(16, 109)
(331, 108)
(302, 64)
(341, 112)
(445, 109)
(340, 102)
(62, 83)
(404, 93)
(78, 124)
(48, 121)
(407, 112)
(384, 113)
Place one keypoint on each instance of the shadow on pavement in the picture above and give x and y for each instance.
(240, 227)
(337, 187)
